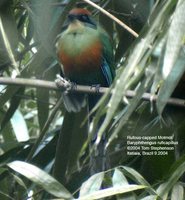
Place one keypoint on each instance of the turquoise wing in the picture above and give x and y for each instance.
(107, 66)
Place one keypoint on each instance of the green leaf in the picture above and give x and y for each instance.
(112, 191)
(41, 178)
(171, 82)
(151, 197)
(92, 184)
(174, 177)
(118, 178)
(20, 181)
(7, 95)
(134, 175)
(177, 192)
(144, 85)
(162, 189)
(134, 65)
(15, 101)
(21, 132)
(8, 35)
(11, 153)
(138, 178)
(123, 82)
(175, 38)
(42, 106)
(174, 59)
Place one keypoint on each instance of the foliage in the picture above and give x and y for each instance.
(33, 144)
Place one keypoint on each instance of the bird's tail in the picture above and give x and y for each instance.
(99, 158)
(74, 102)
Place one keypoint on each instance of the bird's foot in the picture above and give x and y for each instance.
(65, 84)
(97, 87)
(73, 85)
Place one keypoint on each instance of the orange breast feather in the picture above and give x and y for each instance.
(85, 61)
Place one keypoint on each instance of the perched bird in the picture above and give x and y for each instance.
(86, 55)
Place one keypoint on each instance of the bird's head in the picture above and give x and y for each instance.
(82, 15)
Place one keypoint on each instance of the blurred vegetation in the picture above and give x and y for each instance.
(43, 152)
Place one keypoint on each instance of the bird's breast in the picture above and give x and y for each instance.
(80, 51)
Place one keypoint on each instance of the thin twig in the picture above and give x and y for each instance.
(81, 89)
(113, 18)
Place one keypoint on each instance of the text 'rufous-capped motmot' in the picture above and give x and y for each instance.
(86, 55)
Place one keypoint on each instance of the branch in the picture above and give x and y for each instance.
(48, 85)
(80, 89)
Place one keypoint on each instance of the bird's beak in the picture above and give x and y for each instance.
(71, 18)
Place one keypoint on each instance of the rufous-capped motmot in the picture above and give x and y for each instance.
(86, 55)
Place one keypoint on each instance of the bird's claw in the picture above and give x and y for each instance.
(65, 84)
(62, 82)
(97, 87)
(73, 86)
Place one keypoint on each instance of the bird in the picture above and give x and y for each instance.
(84, 50)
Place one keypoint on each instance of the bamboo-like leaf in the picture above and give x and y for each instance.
(15, 101)
(161, 188)
(151, 197)
(174, 177)
(112, 191)
(30, 31)
(42, 105)
(138, 178)
(134, 175)
(174, 58)
(46, 151)
(129, 75)
(8, 37)
(7, 95)
(131, 107)
(175, 38)
(41, 178)
(21, 132)
(121, 86)
(11, 153)
(20, 181)
(171, 82)
(177, 192)
(92, 185)
(8, 46)
(118, 178)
